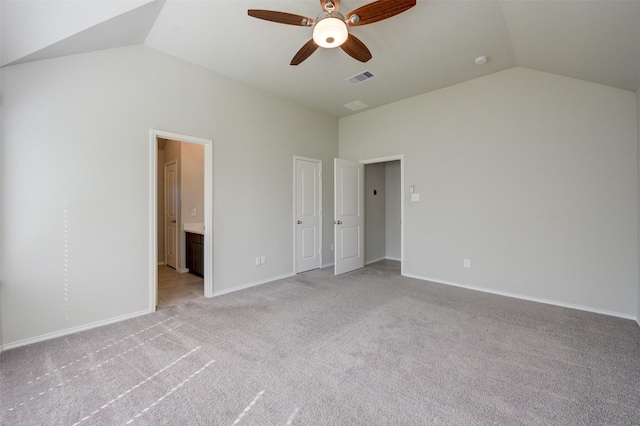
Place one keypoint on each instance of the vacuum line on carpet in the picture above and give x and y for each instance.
(100, 350)
(292, 416)
(246, 410)
(170, 392)
(91, 369)
(128, 391)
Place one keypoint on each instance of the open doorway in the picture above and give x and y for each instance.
(181, 175)
(180, 221)
(357, 242)
(384, 212)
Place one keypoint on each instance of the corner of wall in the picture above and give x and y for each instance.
(638, 175)
(0, 198)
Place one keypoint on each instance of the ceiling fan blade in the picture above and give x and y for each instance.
(280, 17)
(336, 5)
(304, 52)
(379, 10)
(356, 49)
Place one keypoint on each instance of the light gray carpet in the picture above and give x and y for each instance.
(370, 347)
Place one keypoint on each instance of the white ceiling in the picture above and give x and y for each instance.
(431, 46)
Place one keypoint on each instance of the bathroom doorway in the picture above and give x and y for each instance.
(193, 157)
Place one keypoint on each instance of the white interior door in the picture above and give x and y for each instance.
(349, 215)
(170, 212)
(308, 213)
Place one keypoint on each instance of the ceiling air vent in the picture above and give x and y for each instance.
(356, 105)
(360, 78)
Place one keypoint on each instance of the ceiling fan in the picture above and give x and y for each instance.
(331, 28)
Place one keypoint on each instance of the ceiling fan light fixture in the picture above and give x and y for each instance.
(330, 30)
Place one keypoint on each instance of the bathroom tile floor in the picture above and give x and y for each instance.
(174, 287)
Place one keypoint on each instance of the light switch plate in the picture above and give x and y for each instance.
(415, 197)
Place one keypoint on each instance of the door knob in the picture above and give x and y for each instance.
(299, 222)
(173, 221)
(339, 222)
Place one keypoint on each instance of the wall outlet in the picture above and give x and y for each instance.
(263, 259)
(467, 263)
(193, 211)
(257, 260)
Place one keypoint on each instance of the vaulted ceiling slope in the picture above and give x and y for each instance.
(431, 46)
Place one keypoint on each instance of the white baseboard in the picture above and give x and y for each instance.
(160, 263)
(253, 284)
(72, 330)
(528, 298)
(326, 265)
(382, 258)
(182, 270)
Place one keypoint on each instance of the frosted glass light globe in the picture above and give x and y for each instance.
(330, 31)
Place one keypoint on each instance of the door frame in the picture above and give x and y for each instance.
(295, 217)
(154, 134)
(402, 191)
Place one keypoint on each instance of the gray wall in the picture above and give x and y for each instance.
(530, 175)
(75, 246)
(1, 209)
(192, 182)
(375, 236)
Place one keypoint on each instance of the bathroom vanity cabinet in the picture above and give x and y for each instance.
(195, 253)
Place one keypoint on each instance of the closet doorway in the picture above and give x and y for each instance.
(384, 206)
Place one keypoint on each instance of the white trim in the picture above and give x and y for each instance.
(160, 263)
(182, 270)
(527, 298)
(402, 191)
(326, 265)
(153, 221)
(154, 134)
(383, 258)
(208, 218)
(253, 284)
(313, 160)
(383, 159)
(72, 330)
